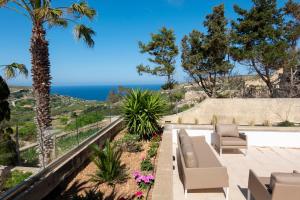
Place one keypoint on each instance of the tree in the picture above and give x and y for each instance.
(258, 40)
(41, 13)
(289, 85)
(204, 57)
(163, 51)
(8, 151)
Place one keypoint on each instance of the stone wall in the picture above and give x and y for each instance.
(251, 111)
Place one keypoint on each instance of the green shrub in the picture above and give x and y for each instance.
(168, 86)
(146, 165)
(84, 119)
(177, 95)
(66, 143)
(141, 111)
(185, 107)
(63, 120)
(91, 194)
(28, 131)
(286, 123)
(8, 153)
(15, 178)
(30, 157)
(154, 145)
(108, 161)
(130, 143)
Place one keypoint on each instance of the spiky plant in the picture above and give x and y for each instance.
(141, 111)
(110, 168)
(42, 13)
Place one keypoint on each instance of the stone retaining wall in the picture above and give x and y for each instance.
(256, 111)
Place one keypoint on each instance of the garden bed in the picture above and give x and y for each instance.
(129, 189)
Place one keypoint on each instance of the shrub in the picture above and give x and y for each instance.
(84, 119)
(286, 123)
(15, 178)
(130, 143)
(179, 120)
(8, 153)
(141, 111)
(30, 157)
(64, 120)
(168, 86)
(214, 120)
(153, 147)
(146, 164)
(110, 169)
(266, 123)
(177, 95)
(91, 194)
(28, 131)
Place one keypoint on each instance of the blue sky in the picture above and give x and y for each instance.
(119, 26)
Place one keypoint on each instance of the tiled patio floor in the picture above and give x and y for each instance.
(262, 160)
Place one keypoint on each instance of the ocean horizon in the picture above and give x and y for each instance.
(96, 92)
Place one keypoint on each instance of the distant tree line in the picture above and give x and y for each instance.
(263, 39)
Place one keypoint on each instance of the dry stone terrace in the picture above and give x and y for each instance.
(262, 160)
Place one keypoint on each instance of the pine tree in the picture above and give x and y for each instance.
(205, 57)
(290, 78)
(163, 51)
(258, 40)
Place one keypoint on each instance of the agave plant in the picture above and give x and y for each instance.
(141, 111)
(110, 169)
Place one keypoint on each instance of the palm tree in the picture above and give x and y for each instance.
(42, 13)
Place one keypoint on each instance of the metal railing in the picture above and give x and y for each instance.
(40, 184)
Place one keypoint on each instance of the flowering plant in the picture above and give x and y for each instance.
(143, 181)
(139, 195)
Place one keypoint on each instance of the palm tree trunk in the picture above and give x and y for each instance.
(41, 88)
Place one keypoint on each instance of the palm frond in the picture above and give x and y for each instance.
(57, 22)
(11, 70)
(85, 33)
(82, 9)
(3, 2)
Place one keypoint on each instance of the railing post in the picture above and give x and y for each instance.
(77, 131)
(17, 143)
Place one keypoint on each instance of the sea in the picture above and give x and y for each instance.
(96, 92)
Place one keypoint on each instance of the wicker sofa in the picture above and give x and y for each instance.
(198, 165)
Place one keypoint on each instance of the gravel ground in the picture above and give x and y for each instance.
(122, 191)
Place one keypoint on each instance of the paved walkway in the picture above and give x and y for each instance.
(262, 160)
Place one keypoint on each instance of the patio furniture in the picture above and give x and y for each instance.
(227, 136)
(199, 165)
(280, 186)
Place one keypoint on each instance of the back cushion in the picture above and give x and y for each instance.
(187, 149)
(284, 178)
(227, 130)
(182, 133)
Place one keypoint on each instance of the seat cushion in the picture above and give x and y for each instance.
(227, 130)
(284, 178)
(233, 141)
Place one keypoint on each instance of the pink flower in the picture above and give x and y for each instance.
(151, 177)
(139, 194)
(136, 174)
